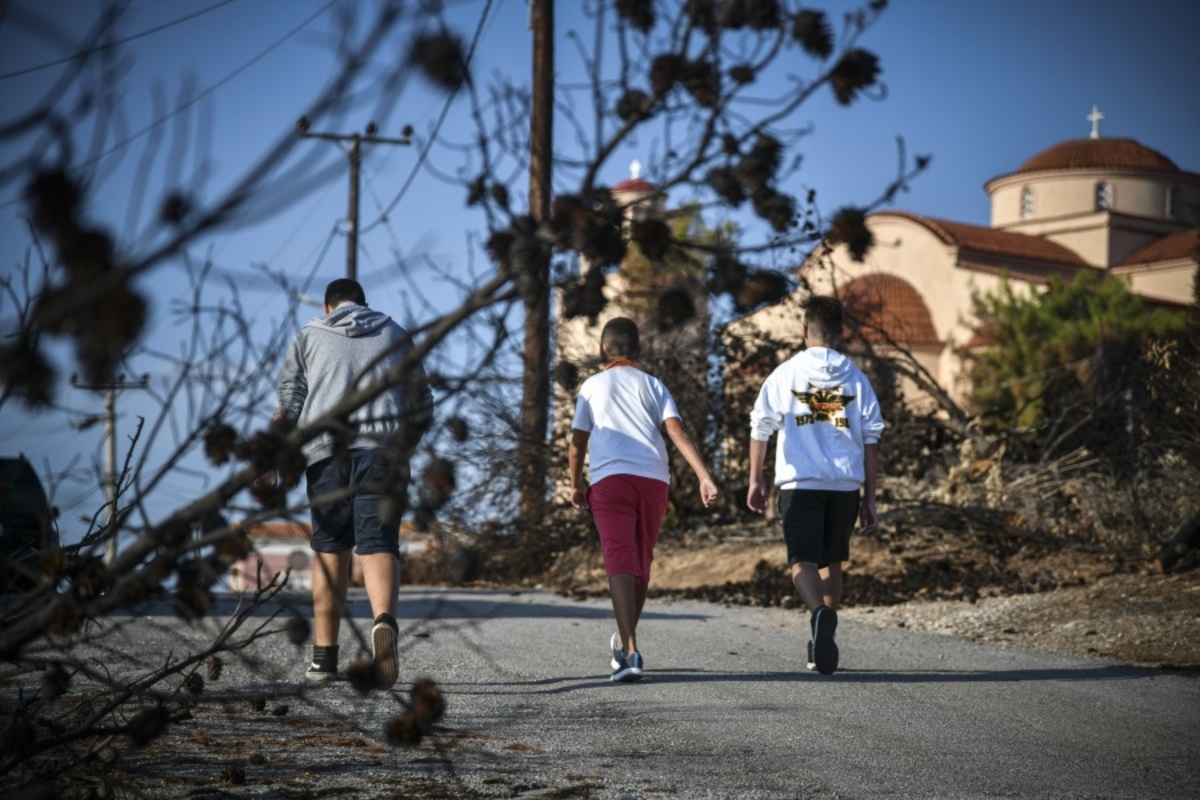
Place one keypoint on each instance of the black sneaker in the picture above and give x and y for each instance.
(825, 650)
(629, 668)
(811, 665)
(385, 655)
(321, 672)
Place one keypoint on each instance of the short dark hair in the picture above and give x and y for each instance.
(619, 338)
(825, 315)
(344, 289)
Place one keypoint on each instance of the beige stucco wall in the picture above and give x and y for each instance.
(1068, 193)
(1171, 283)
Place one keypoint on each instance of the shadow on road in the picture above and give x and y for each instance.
(563, 684)
(477, 605)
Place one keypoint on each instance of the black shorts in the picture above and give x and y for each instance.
(817, 524)
(362, 479)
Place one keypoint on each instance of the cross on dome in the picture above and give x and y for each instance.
(1095, 118)
(635, 169)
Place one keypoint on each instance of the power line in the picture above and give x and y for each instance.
(112, 479)
(354, 154)
(115, 43)
(211, 89)
(438, 125)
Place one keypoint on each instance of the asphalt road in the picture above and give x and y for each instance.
(726, 710)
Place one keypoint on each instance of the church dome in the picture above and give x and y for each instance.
(1100, 153)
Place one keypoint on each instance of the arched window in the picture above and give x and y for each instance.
(1026, 203)
(1103, 196)
(1174, 210)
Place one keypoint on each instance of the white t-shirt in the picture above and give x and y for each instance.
(624, 410)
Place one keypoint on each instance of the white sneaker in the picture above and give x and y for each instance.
(618, 651)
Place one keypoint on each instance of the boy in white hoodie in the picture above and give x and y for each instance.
(827, 417)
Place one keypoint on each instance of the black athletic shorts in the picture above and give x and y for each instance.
(365, 477)
(817, 524)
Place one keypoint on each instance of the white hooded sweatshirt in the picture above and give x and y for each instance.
(825, 411)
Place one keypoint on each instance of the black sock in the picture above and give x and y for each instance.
(325, 656)
(389, 619)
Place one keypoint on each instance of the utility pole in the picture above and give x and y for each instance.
(110, 389)
(536, 386)
(354, 153)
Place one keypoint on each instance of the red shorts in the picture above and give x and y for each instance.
(629, 512)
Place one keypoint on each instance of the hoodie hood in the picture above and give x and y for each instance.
(350, 320)
(824, 366)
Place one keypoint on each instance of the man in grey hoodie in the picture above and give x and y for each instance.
(828, 422)
(354, 464)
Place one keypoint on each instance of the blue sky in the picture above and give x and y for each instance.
(979, 86)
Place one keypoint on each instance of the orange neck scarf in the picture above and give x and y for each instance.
(623, 362)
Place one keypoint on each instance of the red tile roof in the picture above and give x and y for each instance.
(1118, 154)
(990, 240)
(634, 185)
(888, 307)
(280, 530)
(1182, 245)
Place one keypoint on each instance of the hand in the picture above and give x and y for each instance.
(868, 518)
(757, 497)
(709, 492)
(267, 481)
(579, 496)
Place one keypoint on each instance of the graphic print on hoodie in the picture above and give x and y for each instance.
(827, 405)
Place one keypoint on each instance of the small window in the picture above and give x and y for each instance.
(1026, 203)
(1174, 211)
(1103, 196)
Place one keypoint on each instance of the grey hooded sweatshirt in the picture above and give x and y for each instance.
(350, 348)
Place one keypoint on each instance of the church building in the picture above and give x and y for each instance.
(1108, 205)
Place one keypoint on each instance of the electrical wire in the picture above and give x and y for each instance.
(201, 96)
(437, 126)
(115, 43)
(211, 89)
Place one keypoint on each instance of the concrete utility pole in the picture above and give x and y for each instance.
(536, 386)
(110, 390)
(354, 153)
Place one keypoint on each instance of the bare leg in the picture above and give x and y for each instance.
(831, 578)
(381, 574)
(639, 590)
(807, 580)
(330, 581)
(623, 590)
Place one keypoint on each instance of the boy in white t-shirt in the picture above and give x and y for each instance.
(620, 417)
